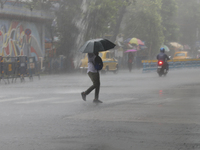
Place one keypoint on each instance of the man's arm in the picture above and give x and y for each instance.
(167, 57)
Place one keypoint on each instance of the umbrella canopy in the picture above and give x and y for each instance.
(140, 42)
(134, 41)
(176, 45)
(166, 48)
(96, 45)
(130, 50)
(186, 47)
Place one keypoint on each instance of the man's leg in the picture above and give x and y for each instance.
(97, 88)
(83, 94)
(96, 81)
(96, 85)
(92, 76)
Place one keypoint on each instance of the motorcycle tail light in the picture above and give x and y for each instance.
(160, 63)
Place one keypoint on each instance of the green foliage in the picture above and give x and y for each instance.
(66, 27)
(101, 17)
(38, 5)
(189, 20)
(168, 13)
(144, 22)
(154, 21)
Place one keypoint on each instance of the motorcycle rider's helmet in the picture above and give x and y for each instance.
(162, 50)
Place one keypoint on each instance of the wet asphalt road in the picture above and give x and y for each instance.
(139, 112)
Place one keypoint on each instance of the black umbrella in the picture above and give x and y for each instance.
(96, 45)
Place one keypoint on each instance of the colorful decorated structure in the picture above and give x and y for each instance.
(22, 30)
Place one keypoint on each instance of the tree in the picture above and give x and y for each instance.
(100, 17)
(119, 18)
(66, 28)
(189, 21)
(168, 13)
(144, 22)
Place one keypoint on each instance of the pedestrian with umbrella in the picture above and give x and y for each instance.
(93, 47)
(130, 58)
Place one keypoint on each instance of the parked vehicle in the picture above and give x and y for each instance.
(109, 62)
(182, 55)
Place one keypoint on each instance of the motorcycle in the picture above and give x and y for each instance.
(161, 68)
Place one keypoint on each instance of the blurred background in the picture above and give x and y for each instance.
(52, 31)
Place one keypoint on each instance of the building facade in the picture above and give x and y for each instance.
(22, 30)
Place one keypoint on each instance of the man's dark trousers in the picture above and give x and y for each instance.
(96, 84)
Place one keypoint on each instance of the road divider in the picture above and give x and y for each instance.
(151, 65)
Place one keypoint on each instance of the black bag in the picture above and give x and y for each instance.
(98, 63)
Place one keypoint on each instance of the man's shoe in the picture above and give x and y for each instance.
(97, 101)
(83, 96)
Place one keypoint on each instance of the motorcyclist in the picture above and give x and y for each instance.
(163, 57)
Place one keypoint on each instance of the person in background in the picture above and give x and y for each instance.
(164, 57)
(130, 61)
(95, 77)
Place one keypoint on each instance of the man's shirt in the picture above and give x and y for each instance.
(91, 67)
